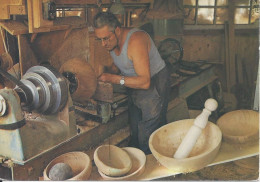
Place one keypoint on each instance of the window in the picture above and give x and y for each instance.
(201, 12)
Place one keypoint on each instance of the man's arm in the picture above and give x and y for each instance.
(138, 52)
(111, 69)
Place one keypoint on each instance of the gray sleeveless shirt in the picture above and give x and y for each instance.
(126, 66)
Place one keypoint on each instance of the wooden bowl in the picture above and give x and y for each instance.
(82, 79)
(165, 141)
(79, 162)
(112, 160)
(239, 126)
(138, 165)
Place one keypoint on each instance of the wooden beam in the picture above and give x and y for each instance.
(18, 10)
(82, 2)
(30, 15)
(231, 43)
(27, 57)
(36, 7)
(4, 12)
(12, 2)
(227, 57)
(14, 27)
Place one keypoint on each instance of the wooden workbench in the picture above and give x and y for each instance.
(228, 152)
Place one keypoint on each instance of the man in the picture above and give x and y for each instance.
(143, 72)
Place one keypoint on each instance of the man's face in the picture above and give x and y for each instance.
(107, 37)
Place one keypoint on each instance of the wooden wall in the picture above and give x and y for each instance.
(210, 46)
(203, 47)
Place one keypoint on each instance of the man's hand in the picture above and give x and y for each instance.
(111, 78)
(103, 77)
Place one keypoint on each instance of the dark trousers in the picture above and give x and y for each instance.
(147, 109)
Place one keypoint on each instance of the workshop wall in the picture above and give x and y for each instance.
(203, 47)
(209, 45)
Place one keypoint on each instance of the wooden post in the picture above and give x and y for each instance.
(231, 44)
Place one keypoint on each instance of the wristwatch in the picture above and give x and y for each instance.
(122, 81)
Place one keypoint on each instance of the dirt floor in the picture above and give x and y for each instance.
(240, 170)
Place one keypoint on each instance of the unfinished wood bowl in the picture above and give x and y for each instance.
(239, 126)
(79, 162)
(82, 78)
(112, 160)
(138, 165)
(164, 142)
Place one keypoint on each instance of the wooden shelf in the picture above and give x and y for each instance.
(227, 153)
(15, 27)
(18, 28)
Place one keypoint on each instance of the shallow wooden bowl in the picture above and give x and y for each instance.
(239, 126)
(164, 142)
(79, 162)
(112, 160)
(138, 165)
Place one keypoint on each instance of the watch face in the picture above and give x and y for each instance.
(122, 82)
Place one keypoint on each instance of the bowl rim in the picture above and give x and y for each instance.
(187, 158)
(102, 164)
(229, 136)
(86, 168)
(140, 168)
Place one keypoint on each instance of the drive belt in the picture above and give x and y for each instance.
(13, 126)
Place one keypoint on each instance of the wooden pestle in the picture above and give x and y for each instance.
(194, 132)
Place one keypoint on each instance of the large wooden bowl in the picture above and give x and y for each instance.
(82, 76)
(164, 142)
(79, 162)
(112, 160)
(138, 165)
(239, 126)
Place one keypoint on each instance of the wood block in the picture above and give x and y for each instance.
(104, 92)
(18, 10)
(4, 12)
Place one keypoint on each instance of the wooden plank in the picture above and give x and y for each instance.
(4, 12)
(13, 2)
(18, 10)
(30, 15)
(36, 13)
(231, 43)
(227, 57)
(27, 58)
(38, 21)
(14, 27)
(3, 38)
(227, 152)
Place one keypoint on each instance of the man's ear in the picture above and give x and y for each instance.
(117, 30)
